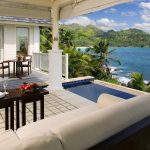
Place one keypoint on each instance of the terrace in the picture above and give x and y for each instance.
(73, 130)
(56, 102)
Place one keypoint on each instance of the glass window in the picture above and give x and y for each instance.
(22, 41)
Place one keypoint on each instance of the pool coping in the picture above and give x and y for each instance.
(104, 83)
(119, 87)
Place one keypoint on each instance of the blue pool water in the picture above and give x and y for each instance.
(92, 91)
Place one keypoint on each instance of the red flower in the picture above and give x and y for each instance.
(28, 86)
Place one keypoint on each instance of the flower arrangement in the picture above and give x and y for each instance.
(29, 88)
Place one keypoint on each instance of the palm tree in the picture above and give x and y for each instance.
(66, 39)
(137, 81)
(101, 49)
(103, 55)
(45, 39)
(79, 63)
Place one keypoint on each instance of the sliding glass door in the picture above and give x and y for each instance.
(22, 41)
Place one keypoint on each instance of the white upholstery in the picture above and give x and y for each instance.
(48, 123)
(9, 141)
(25, 63)
(105, 100)
(28, 57)
(79, 129)
(86, 131)
(46, 141)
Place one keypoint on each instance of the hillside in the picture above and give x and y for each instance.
(85, 36)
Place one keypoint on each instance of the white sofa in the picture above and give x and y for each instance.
(79, 129)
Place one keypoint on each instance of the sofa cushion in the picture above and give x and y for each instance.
(105, 100)
(86, 131)
(45, 125)
(9, 141)
(46, 141)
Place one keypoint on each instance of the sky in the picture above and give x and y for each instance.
(134, 14)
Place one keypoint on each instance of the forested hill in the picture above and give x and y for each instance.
(85, 36)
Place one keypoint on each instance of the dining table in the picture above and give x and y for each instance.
(17, 71)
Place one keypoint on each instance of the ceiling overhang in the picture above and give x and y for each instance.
(87, 6)
(41, 9)
(17, 9)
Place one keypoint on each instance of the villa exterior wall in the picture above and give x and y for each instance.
(9, 51)
(9, 40)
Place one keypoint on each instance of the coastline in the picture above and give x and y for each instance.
(122, 79)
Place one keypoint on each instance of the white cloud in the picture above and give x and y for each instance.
(111, 10)
(145, 14)
(109, 24)
(129, 13)
(104, 23)
(142, 26)
(82, 20)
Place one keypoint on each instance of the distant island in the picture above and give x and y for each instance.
(85, 36)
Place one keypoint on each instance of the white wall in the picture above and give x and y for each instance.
(1, 42)
(9, 42)
(34, 38)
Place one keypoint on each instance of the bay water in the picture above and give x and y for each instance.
(132, 60)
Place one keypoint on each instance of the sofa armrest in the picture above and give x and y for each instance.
(9, 140)
(105, 100)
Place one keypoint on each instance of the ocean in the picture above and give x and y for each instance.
(132, 60)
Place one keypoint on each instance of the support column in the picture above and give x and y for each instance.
(36, 40)
(55, 55)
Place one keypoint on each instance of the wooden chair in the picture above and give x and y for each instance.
(5, 65)
(27, 60)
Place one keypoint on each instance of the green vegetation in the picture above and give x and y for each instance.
(101, 55)
(45, 39)
(86, 36)
(137, 82)
(113, 81)
(79, 36)
(95, 62)
(79, 63)
(66, 39)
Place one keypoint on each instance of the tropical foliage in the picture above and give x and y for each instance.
(79, 63)
(103, 56)
(137, 81)
(45, 39)
(66, 39)
(96, 60)
(86, 36)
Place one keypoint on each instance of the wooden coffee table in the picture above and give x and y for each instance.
(16, 96)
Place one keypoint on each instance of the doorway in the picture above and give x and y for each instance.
(22, 41)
